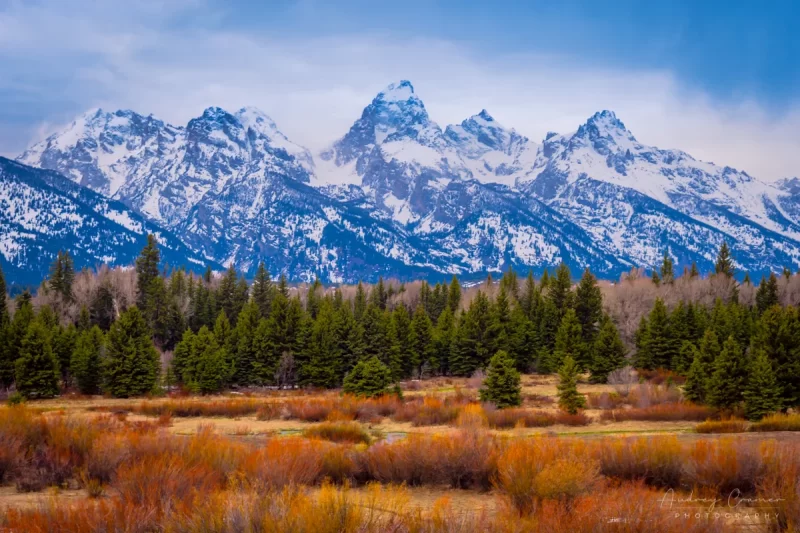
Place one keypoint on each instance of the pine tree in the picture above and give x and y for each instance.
(37, 366)
(502, 384)
(569, 343)
(325, 359)
(498, 332)
(14, 333)
(762, 395)
(724, 264)
(729, 376)
(686, 357)
(667, 269)
(132, 364)
(211, 371)
(531, 298)
(421, 341)
(5, 316)
(403, 359)
(661, 345)
(263, 290)
(559, 290)
(370, 378)
(242, 343)
(609, 352)
(443, 336)
(63, 342)
(360, 302)
(470, 349)
(454, 295)
(376, 333)
(523, 339)
(656, 279)
(696, 387)
(777, 332)
(62, 274)
(767, 293)
(588, 306)
(146, 273)
(569, 399)
(87, 360)
(746, 280)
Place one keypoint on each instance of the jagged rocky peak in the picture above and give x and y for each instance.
(603, 130)
(481, 133)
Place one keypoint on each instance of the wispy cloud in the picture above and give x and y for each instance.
(149, 57)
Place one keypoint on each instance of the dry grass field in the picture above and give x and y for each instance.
(435, 460)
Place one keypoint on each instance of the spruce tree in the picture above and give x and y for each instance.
(470, 350)
(15, 332)
(523, 340)
(667, 269)
(762, 394)
(502, 384)
(62, 274)
(724, 263)
(569, 399)
(132, 365)
(87, 360)
(777, 332)
(660, 344)
(146, 273)
(211, 371)
(37, 366)
(263, 290)
(63, 342)
(569, 343)
(498, 330)
(376, 333)
(242, 343)
(655, 278)
(729, 377)
(370, 378)
(421, 341)
(694, 272)
(686, 357)
(454, 295)
(324, 358)
(608, 352)
(184, 358)
(702, 367)
(443, 336)
(5, 316)
(559, 290)
(360, 302)
(588, 306)
(404, 355)
(767, 293)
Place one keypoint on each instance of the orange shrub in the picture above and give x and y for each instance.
(519, 417)
(654, 460)
(682, 411)
(350, 432)
(578, 419)
(529, 471)
(729, 425)
(287, 461)
(778, 422)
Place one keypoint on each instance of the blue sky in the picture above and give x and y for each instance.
(720, 80)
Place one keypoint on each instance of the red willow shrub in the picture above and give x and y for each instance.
(519, 417)
(348, 432)
(666, 412)
(729, 425)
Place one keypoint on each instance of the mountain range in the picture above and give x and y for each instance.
(396, 196)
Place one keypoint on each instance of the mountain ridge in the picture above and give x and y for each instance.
(410, 195)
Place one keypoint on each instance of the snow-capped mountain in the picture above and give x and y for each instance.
(642, 201)
(397, 195)
(42, 212)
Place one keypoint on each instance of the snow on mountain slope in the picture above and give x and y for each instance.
(397, 195)
(42, 212)
(493, 153)
(603, 179)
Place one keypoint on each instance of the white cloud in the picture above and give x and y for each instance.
(315, 88)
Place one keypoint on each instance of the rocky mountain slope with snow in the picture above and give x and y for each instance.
(397, 195)
(42, 212)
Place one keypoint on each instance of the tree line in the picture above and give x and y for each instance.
(225, 332)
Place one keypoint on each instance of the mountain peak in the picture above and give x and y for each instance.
(605, 125)
(400, 91)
